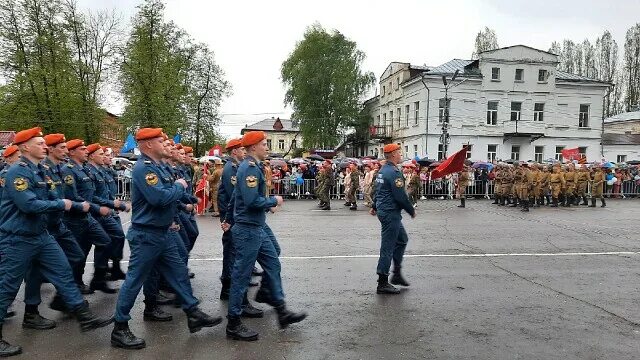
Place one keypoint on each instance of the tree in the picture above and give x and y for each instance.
(588, 50)
(485, 40)
(632, 67)
(325, 85)
(607, 68)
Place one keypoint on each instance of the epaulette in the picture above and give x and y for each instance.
(252, 163)
(70, 165)
(45, 166)
(22, 163)
(147, 162)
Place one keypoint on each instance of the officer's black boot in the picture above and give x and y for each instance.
(593, 202)
(77, 275)
(122, 337)
(514, 203)
(226, 287)
(163, 298)
(7, 349)
(584, 200)
(58, 304)
(287, 317)
(33, 320)
(502, 200)
(525, 206)
(604, 203)
(152, 312)
(197, 320)
(88, 320)
(384, 287)
(99, 282)
(576, 200)
(354, 206)
(495, 200)
(236, 330)
(555, 202)
(462, 201)
(116, 272)
(567, 202)
(263, 295)
(397, 278)
(248, 310)
(326, 206)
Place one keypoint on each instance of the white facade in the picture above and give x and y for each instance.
(469, 122)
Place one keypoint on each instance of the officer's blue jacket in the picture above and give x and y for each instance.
(251, 200)
(80, 185)
(390, 193)
(226, 187)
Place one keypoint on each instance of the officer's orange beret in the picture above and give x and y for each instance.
(252, 138)
(54, 139)
(178, 146)
(390, 148)
(149, 133)
(26, 135)
(75, 143)
(233, 143)
(187, 149)
(10, 151)
(93, 148)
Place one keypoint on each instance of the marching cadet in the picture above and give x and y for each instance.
(497, 190)
(542, 185)
(11, 155)
(527, 181)
(368, 183)
(84, 226)
(463, 182)
(557, 183)
(413, 185)
(25, 205)
(570, 178)
(583, 177)
(214, 184)
(154, 199)
(516, 184)
(252, 243)
(354, 184)
(321, 177)
(188, 217)
(596, 186)
(324, 189)
(389, 201)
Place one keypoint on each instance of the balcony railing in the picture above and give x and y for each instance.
(380, 131)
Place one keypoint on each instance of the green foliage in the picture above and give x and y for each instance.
(485, 40)
(325, 85)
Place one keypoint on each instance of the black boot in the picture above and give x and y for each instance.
(397, 278)
(116, 272)
(593, 202)
(525, 206)
(287, 317)
(263, 295)
(502, 200)
(152, 312)
(99, 282)
(584, 201)
(248, 311)
(236, 330)
(555, 202)
(604, 203)
(462, 201)
(88, 320)
(325, 207)
(122, 337)
(548, 197)
(163, 298)
(197, 320)
(567, 201)
(495, 200)
(384, 287)
(514, 203)
(353, 206)
(576, 200)
(33, 320)
(226, 287)
(7, 349)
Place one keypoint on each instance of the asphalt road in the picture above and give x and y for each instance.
(486, 283)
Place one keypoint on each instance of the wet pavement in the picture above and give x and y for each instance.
(487, 282)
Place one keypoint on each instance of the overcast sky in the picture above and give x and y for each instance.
(251, 39)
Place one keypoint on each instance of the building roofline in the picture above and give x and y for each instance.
(512, 46)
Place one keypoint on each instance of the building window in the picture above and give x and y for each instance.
(269, 143)
(495, 73)
(391, 117)
(519, 74)
(280, 144)
(378, 120)
(399, 111)
(415, 151)
(583, 119)
(538, 154)
(406, 115)
(469, 147)
(538, 112)
(406, 150)
(440, 152)
(294, 144)
(398, 83)
(390, 87)
(515, 152)
(441, 109)
(516, 108)
(492, 151)
(621, 158)
(543, 75)
(416, 110)
(384, 119)
(492, 113)
(559, 152)
(384, 90)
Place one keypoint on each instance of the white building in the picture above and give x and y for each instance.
(510, 103)
(283, 136)
(621, 138)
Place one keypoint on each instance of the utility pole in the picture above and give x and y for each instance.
(445, 139)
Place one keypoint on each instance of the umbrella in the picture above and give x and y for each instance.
(368, 161)
(315, 157)
(408, 163)
(278, 162)
(298, 161)
(608, 165)
(510, 161)
(206, 158)
(434, 164)
(352, 160)
(482, 165)
(426, 161)
(633, 162)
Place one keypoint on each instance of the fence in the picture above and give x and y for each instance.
(437, 189)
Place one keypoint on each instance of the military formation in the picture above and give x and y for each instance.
(529, 185)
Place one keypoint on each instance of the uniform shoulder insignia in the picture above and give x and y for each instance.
(147, 162)
(151, 178)
(252, 163)
(399, 182)
(68, 179)
(45, 166)
(252, 181)
(70, 165)
(22, 163)
(234, 179)
(20, 184)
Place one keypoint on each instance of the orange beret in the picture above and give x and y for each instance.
(390, 148)
(54, 139)
(10, 151)
(179, 146)
(93, 148)
(187, 149)
(252, 138)
(26, 135)
(233, 143)
(149, 133)
(72, 144)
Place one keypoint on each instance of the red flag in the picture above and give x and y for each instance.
(570, 154)
(453, 164)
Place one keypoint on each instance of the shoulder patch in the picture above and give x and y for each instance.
(399, 182)
(22, 163)
(252, 181)
(20, 184)
(50, 183)
(45, 166)
(234, 179)
(252, 163)
(147, 162)
(68, 179)
(152, 179)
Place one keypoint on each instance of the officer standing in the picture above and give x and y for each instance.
(252, 242)
(154, 201)
(596, 187)
(389, 201)
(24, 207)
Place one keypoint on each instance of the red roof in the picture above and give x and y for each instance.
(6, 137)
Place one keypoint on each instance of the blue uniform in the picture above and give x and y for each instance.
(188, 218)
(24, 207)
(390, 199)
(225, 192)
(110, 176)
(250, 239)
(153, 198)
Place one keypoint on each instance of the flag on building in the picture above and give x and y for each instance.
(453, 164)
(129, 145)
(570, 154)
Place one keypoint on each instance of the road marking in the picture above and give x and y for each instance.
(375, 256)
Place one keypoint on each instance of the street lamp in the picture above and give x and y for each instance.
(445, 138)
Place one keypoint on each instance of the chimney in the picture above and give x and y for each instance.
(277, 125)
